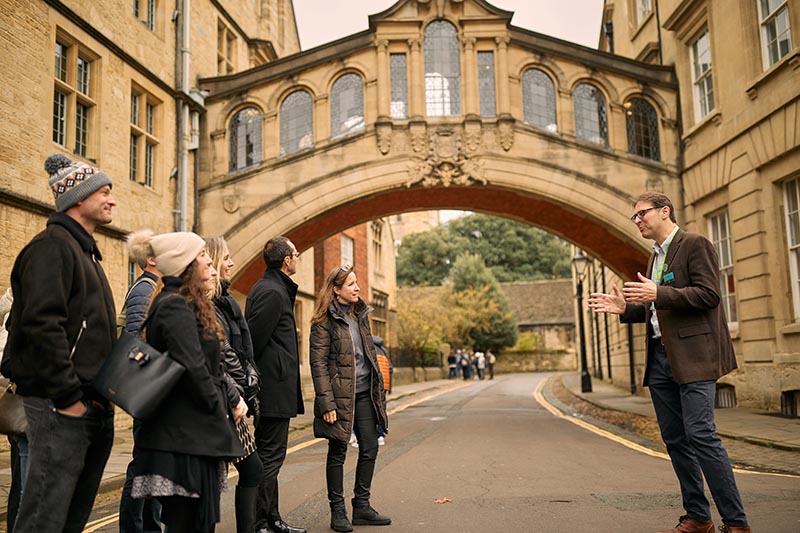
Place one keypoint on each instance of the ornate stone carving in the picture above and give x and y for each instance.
(505, 132)
(383, 136)
(472, 134)
(230, 203)
(419, 136)
(446, 163)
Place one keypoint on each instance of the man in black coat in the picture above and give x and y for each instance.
(61, 329)
(270, 316)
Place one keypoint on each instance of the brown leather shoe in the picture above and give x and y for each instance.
(725, 528)
(690, 525)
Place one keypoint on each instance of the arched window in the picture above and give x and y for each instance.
(245, 139)
(642, 123)
(539, 100)
(442, 70)
(591, 120)
(347, 105)
(296, 122)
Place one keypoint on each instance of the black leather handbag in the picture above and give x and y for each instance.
(136, 376)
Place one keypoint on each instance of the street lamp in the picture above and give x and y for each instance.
(579, 263)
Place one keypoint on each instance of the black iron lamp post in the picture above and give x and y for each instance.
(579, 263)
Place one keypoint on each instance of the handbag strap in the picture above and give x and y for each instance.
(153, 310)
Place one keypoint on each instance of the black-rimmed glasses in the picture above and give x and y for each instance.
(640, 214)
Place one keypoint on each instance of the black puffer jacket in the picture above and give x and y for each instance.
(62, 302)
(333, 368)
(238, 350)
(195, 417)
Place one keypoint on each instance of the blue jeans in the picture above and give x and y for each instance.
(685, 416)
(66, 459)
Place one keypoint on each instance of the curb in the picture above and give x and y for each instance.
(766, 443)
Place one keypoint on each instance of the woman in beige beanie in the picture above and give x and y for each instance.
(181, 451)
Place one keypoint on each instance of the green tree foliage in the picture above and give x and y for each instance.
(419, 319)
(512, 250)
(478, 312)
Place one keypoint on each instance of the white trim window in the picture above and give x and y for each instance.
(720, 230)
(348, 250)
(776, 38)
(702, 78)
(792, 199)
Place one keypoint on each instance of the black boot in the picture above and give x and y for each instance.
(339, 521)
(365, 515)
(246, 509)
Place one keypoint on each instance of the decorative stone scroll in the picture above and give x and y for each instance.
(383, 134)
(446, 163)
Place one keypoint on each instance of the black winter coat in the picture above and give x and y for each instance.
(62, 301)
(238, 350)
(195, 418)
(270, 315)
(333, 368)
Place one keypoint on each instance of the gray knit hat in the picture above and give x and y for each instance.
(174, 252)
(73, 182)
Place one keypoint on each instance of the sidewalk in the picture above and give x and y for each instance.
(755, 437)
(114, 474)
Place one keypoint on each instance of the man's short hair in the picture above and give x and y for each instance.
(658, 199)
(276, 249)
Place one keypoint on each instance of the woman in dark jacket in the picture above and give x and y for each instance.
(181, 450)
(349, 393)
(238, 363)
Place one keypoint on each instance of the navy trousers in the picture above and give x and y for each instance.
(685, 416)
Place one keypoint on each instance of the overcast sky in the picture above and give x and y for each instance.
(323, 21)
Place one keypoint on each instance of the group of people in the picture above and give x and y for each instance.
(238, 364)
(470, 364)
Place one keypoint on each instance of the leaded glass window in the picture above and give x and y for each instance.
(81, 128)
(591, 120)
(642, 124)
(776, 35)
(399, 77)
(721, 237)
(442, 70)
(702, 77)
(347, 105)
(245, 139)
(486, 84)
(539, 100)
(296, 122)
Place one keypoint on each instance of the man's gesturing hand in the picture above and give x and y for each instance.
(607, 303)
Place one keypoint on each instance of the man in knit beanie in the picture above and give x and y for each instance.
(63, 325)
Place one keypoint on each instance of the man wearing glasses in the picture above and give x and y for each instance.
(688, 349)
(270, 316)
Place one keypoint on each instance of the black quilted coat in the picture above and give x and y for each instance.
(333, 368)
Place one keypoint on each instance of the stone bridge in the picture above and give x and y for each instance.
(440, 104)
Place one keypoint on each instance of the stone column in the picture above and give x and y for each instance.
(470, 78)
(503, 102)
(384, 78)
(417, 80)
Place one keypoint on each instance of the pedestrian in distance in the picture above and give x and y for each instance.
(451, 365)
(182, 448)
(490, 362)
(138, 515)
(688, 348)
(349, 394)
(62, 327)
(480, 364)
(270, 316)
(240, 366)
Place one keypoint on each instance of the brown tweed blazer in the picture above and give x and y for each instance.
(693, 326)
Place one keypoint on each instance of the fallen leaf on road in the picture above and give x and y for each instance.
(442, 500)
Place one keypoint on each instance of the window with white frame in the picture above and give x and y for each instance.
(143, 139)
(792, 207)
(776, 38)
(719, 229)
(348, 250)
(701, 75)
(73, 96)
(644, 8)
(145, 11)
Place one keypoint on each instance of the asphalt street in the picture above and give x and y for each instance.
(487, 456)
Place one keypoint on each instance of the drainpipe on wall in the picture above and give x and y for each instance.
(182, 112)
(658, 29)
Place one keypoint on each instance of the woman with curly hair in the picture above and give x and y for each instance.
(349, 394)
(183, 448)
(237, 357)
